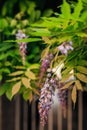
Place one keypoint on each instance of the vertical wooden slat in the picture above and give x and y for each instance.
(59, 118)
(80, 110)
(50, 119)
(25, 115)
(33, 115)
(0, 113)
(69, 120)
(17, 113)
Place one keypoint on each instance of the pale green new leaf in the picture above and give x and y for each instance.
(25, 40)
(77, 9)
(65, 10)
(34, 66)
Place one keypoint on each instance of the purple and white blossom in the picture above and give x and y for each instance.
(45, 65)
(22, 45)
(46, 98)
(65, 47)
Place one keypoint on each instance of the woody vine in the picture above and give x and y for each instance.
(63, 63)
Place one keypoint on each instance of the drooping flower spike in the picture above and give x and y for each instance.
(22, 45)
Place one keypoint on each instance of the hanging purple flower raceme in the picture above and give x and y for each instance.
(65, 47)
(22, 45)
(46, 98)
(45, 65)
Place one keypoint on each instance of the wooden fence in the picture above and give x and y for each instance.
(20, 115)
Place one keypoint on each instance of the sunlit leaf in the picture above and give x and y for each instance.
(67, 77)
(30, 96)
(16, 73)
(45, 52)
(81, 34)
(16, 88)
(14, 79)
(25, 40)
(67, 85)
(82, 69)
(81, 77)
(78, 85)
(40, 32)
(34, 66)
(78, 9)
(30, 74)
(19, 67)
(74, 94)
(26, 82)
(65, 9)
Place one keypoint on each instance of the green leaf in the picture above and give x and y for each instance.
(5, 47)
(1, 77)
(78, 85)
(30, 74)
(9, 92)
(26, 82)
(74, 94)
(67, 77)
(77, 10)
(83, 62)
(40, 32)
(16, 88)
(81, 34)
(34, 66)
(82, 69)
(45, 52)
(30, 96)
(84, 15)
(5, 70)
(65, 10)
(19, 67)
(26, 94)
(16, 73)
(3, 23)
(13, 79)
(48, 12)
(67, 85)
(25, 40)
(3, 89)
(81, 77)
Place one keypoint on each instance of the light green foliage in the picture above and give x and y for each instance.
(69, 25)
(48, 32)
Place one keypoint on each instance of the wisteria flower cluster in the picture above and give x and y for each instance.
(65, 47)
(45, 64)
(22, 45)
(46, 98)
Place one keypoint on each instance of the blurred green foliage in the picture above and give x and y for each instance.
(17, 15)
(52, 30)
